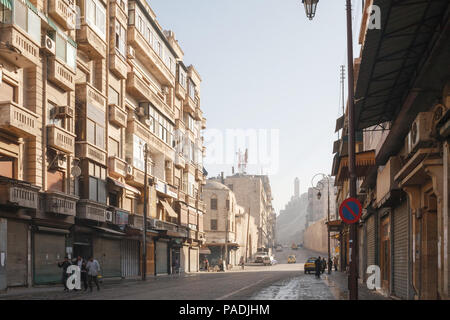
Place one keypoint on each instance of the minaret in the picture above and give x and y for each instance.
(296, 188)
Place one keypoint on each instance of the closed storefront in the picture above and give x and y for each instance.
(193, 259)
(371, 240)
(400, 248)
(107, 252)
(49, 249)
(16, 258)
(360, 250)
(385, 252)
(162, 257)
(150, 258)
(129, 258)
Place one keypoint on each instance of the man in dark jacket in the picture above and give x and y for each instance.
(64, 265)
(324, 265)
(318, 265)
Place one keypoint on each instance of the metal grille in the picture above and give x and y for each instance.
(161, 257)
(49, 249)
(400, 277)
(129, 255)
(16, 259)
(371, 240)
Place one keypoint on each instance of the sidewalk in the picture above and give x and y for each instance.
(338, 283)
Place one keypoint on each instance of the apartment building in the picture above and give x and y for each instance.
(402, 153)
(88, 91)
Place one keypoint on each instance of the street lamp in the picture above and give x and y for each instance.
(319, 195)
(310, 8)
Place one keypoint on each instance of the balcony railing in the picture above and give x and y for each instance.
(86, 150)
(137, 87)
(60, 74)
(89, 42)
(117, 116)
(137, 178)
(60, 203)
(63, 13)
(153, 61)
(91, 210)
(189, 104)
(179, 162)
(117, 167)
(18, 120)
(198, 174)
(21, 50)
(117, 65)
(18, 193)
(60, 139)
(180, 92)
(86, 93)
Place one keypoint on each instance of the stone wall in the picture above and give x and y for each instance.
(315, 237)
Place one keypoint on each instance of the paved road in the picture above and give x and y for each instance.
(282, 281)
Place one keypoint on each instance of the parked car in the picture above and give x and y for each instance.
(279, 249)
(267, 261)
(260, 258)
(310, 265)
(291, 259)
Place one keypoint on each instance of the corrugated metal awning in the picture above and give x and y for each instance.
(364, 161)
(7, 4)
(392, 58)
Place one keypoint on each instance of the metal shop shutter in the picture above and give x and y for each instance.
(107, 253)
(16, 257)
(49, 249)
(193, 260)
(400, 286)
(360, 250)
(371, 240)
(130, 258)
(161, 257)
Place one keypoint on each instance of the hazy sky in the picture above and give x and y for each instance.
(264, 65)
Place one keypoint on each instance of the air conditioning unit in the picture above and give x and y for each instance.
(59, 162)
(48, 45)
(130, 53)
(109, 216)
(64, 111)
(420, 133)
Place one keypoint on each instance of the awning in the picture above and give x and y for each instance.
(169, 209)
(7, 4)
(107, 230)
(392, 58)
(339, 123)
(364, 161)
(52, 230)
(204, 251)
(336, 146)
(124, 186)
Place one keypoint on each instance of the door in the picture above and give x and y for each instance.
(107, 253)
(193, 260)
(129, 258)
(385, 253)
(161, 257)
(17, 262)
(49, 249)
(400, 251)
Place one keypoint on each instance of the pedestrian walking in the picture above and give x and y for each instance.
(81, 263)
(175, 266)
(330, 265)
(242, 263)
(335, 263)
(64, 265)
(206, 264)
(323, 265)
(221, 266)
(318, 265)
(93, 268)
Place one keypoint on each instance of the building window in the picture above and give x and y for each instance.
(213, 224)
(121, 38)
(51, 116)
(26, 19)
(8, 92)
(97, 183)
(113, 148)
(96, 17)
(213, 204)
(181, 76)
(191, 89)
(113, 96)
(95, 131)
(66, 51)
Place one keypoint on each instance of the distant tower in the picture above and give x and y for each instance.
(297, 188)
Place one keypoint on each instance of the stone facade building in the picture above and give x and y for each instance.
(80, 98)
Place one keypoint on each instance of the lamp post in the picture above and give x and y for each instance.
(310, 9)
(144, 233)
(319, 195)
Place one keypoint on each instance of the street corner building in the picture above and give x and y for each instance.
(402, 102)
(84, 100)
(240, 220)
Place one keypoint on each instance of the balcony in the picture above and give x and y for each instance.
(117, 65)
(201, 236)
(189, 105)
(18, 193)
(86, 93)
(60, 203)
(203, 123)
(91, 210)
(116, 11)
(89, 42)
(117, 167)
(200, 205)
(18, 120)
(136, 221)
(152, 60)
(137, 179)
(198, 174)
(22, 51)
(192, 234)
(137, 87)
(179, 125)
(190, 201)
(60, 74)
(179, 162)
(181, 195)
(180, 92)
(62, 13)
(60, 139)
(86, 150)
(117, 116)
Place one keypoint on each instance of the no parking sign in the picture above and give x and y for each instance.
(350, 210)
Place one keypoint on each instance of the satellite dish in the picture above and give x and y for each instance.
(76, 171)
